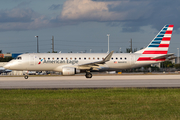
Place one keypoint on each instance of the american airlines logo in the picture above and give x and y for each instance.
(40, 61)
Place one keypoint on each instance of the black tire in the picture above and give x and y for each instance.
(88, 75)
(26, 77)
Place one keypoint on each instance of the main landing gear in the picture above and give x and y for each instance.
(88, 75)
(26, 76)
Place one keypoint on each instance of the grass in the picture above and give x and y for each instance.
(96, 104)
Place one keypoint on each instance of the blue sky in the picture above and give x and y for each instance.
(81, 25)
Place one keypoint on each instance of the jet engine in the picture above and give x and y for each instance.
(70, 71)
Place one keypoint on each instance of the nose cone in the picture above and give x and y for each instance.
(7, 66)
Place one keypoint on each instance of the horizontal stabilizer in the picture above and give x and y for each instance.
(163, 56)
(171, 58)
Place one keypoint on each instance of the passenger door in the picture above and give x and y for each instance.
(31, 60)
(132, 59)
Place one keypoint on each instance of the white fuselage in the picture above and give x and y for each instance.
(56, 61)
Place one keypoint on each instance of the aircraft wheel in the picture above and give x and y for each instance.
(88, 75)
(26, 77)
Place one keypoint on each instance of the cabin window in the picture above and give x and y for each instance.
(71, 58)
(116, 58)
(48, 58)
(75, 58)
(53, 58)
(121, 58)
(39, 58)
(125, 58)
(102, 58)
(66, 58)
(44, 58)
(57, 58)
(111, 58)
(79, 58)
(85, 58)
(93, 58)
(89, 58)
(98, 58)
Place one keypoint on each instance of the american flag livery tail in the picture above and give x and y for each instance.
(158, 46)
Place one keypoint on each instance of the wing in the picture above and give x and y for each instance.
(95, 65)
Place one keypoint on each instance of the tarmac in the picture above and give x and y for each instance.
(107, 81)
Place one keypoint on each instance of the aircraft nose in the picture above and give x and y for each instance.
(7, 66)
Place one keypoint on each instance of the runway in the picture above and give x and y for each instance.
(70, 82)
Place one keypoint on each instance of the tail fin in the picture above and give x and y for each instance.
(160, 44)
(158, 47)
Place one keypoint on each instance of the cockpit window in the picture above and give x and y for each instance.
(19, 58)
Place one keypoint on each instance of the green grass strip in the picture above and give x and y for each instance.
(86, 104)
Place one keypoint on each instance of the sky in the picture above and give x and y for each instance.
(83, 25)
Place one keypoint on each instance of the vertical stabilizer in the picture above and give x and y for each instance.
(159, 45)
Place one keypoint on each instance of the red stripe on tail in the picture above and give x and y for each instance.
(164, 45)
(166, 39)
(155, 52)
(168, 32)
(171, 26)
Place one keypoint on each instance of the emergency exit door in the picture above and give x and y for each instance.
(31, 59)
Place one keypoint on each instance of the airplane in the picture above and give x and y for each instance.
(74, 63)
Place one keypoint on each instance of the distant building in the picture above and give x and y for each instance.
(177, 60)
(14, 55)
(7, 55)
(1, 55)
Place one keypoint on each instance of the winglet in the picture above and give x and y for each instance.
(108, 57)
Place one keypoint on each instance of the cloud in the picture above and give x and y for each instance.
(131, 14)
(23, 4)
(16, 15)
(22, 19)
(55, 7)
(87, 10)
(101, 10)
(113, 12)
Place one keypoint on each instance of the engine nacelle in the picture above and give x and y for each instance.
(70, 71)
